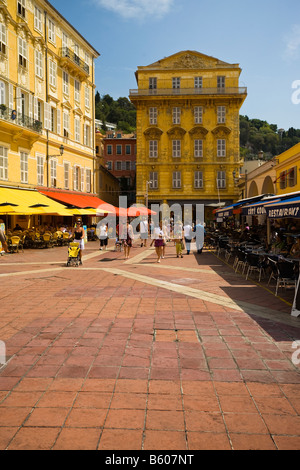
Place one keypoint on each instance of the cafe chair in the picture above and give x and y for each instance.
(284, 273)
(14, 244)
(241, 261)
(254, 264)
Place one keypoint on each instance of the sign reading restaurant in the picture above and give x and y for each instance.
(284, 212)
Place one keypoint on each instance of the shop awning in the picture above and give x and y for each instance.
(284, 208)
(73, 198)
(27, 202)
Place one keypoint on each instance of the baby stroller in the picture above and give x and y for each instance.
(73, 254)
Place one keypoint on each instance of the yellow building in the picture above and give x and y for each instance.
(188, 130)
(46, 99)
(287, 169)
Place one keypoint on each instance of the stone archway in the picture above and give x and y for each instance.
(253, 190)
(268, 186)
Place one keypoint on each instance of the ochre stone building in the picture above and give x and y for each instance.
(188, 109)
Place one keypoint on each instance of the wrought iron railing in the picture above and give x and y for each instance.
(20, 119)
(66, 52)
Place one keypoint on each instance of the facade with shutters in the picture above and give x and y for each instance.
(46, 99)
(188, 109)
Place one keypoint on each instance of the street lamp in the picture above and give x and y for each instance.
(61, 152)
(147, 192)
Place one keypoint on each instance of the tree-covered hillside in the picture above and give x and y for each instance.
(257, 136)
(120, 112)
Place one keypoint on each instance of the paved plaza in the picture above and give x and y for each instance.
(136, 355)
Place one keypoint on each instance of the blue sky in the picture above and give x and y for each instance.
(262, 36)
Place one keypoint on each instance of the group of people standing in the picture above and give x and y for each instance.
(182, 235)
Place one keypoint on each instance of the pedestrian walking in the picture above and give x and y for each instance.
(127, 238)
(158, 242)
(144, 231)
(103, 236)
(78, 235)
(178, 238)
(188, 236)
(3, 241)
(199, 238)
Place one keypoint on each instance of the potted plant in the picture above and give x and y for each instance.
(3, 108)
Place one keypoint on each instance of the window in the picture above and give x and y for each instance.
(66, 175)
(198, 114)
(176, 148)
(109, 165)
(198, 180)
(221, 82)
(176, 179)
(119, 149)
(128, 149)
(153, 180)
(87, 97)
(77, 90)
(76, 178)
(2, 93)
(22, 52)
(77, 129)
(24, 167)
(118, 166)
(153, 115)
(66, 124)
(283, 179)
(152, 83)
(221, 114)
(153, 148)
(53, 172)
(3, 163)
(221, 180)
(2, 38)
(38, 64)
(88, 180)
(221, 148)
(76, 53)
(176, 115)
(53, 120)
(109, 150)
(65, 40)
(292, 176)
(38, 19)
(198, 82)
(22, 8)
(128, 165)
(65, 83)
(40, 170)
(87, 135)
(51, 31)
(198, 148)
(176, 82)
(52, 73)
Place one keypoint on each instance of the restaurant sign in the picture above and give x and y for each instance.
(254, 210)
(284, 212)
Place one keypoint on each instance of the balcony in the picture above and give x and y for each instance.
(24, 125)
(237, 91)
(71, 60)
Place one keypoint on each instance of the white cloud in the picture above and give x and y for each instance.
(137, 9)
(293, 42)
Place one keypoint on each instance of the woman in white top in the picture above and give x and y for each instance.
(103, 235)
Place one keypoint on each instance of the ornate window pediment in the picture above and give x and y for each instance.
(153, 133)
(221, 131)
(176, 132)
(198, 131)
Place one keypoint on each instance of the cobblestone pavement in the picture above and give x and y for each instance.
(131, 355)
